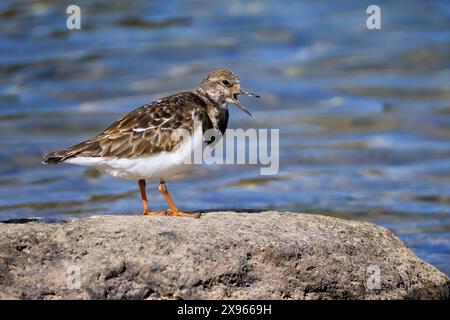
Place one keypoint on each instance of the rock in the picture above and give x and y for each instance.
(223, 255)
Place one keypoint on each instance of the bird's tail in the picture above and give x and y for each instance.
(64, 154)
(55, 157)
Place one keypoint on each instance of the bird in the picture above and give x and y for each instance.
(141, 146)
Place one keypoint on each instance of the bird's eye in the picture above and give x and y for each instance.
(226, 82)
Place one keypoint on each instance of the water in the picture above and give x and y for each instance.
(363, 115)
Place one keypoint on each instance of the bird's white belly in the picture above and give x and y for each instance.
(161, 166)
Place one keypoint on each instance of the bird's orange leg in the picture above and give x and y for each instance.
(147, 211)
(173, 211)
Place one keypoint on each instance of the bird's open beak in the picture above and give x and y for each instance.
(238, 104)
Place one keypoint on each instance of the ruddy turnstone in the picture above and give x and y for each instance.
(140, 145)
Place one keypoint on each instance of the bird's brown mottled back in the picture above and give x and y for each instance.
(144, 131)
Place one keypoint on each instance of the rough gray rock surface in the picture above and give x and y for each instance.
(223, 255)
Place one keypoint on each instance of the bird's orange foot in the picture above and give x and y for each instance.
(154, 214)
(177, 213)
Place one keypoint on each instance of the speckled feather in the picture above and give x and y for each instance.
(145, 131)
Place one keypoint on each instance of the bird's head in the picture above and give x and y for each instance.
(223, 87)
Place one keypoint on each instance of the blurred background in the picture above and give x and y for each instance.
(364, 116)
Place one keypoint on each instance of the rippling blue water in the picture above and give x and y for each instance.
(363, 115)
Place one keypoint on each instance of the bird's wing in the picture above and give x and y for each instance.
(142, 132)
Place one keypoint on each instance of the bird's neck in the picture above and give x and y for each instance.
(216, 109)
